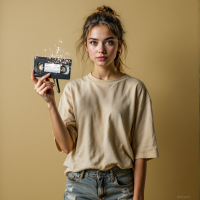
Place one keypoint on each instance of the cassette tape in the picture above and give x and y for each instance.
(58, 67)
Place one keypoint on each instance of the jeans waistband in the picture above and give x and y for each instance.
(98, 172)
(114, 169)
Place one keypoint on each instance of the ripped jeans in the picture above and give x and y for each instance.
(92, 184)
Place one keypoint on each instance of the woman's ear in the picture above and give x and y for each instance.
(120, 45)
(85, 46)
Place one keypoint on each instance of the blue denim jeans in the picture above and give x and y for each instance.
(92, 184)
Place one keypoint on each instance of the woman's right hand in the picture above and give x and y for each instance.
(44, 87)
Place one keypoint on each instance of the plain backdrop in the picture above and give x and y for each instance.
(162, 38)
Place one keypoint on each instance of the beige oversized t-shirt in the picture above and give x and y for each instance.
(110, 122)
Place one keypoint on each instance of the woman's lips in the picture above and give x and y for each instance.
(101, 58)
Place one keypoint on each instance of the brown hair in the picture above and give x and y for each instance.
(103, 15)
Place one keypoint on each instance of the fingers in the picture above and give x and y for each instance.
(40, 81)
(35, 80)
(47, 85)
(43, 92)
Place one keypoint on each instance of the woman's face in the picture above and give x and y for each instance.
(102, 46)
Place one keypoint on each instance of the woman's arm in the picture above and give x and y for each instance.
(61, 133)
(139, 178)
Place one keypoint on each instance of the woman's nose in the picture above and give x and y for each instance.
(101, 48)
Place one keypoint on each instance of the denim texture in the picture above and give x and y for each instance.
(92, 184)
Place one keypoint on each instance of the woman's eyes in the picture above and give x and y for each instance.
(92, 42)
(109, 42)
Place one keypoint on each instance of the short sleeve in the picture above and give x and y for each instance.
(144, 142)
(66, 111)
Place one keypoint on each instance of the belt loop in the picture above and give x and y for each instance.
(82, 173)
(112, 175)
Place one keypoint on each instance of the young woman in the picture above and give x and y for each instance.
(104, 121)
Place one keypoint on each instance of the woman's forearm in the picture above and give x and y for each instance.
(61, 133)
(139, 178)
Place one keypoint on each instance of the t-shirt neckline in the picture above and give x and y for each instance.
(94, 79)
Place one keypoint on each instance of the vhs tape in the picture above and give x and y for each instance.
(58, 67)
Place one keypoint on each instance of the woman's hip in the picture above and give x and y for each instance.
(115, 183)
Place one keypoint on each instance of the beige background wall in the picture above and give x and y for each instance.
(162, 38)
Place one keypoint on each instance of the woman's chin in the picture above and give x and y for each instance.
(102, 64)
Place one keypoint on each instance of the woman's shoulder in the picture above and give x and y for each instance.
(138, 83)
(75, 83)
(140, 89)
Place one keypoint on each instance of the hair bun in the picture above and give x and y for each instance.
(106, 9)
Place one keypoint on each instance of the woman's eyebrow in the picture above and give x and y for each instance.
(105, 39)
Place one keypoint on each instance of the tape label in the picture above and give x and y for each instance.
(55, 68)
